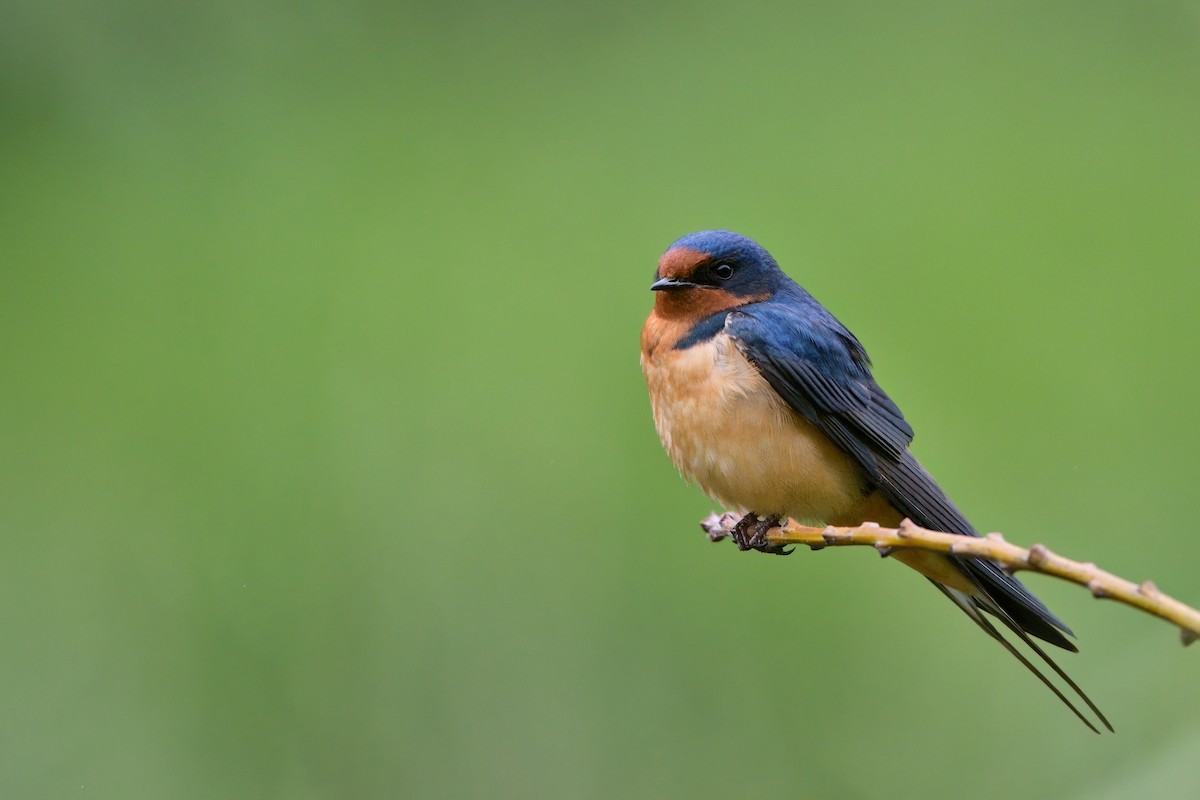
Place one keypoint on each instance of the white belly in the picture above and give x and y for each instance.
(727, 430)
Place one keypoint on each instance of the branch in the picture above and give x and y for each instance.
(1038, 558)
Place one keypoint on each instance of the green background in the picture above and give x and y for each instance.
(326, 466)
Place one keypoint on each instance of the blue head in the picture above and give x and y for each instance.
(704, 262)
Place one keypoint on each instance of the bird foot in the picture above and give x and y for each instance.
(750, 533)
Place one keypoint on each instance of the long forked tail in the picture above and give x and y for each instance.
(972, 606)
(913, 493)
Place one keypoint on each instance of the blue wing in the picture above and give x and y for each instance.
(822, 371)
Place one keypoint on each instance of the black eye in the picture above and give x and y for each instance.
(723, 271)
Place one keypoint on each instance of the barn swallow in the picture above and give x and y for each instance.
(763, 398)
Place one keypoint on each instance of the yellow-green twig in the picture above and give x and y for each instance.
(993, 547)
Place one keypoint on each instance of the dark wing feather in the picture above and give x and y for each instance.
(822, 372)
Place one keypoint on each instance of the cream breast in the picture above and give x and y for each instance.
(728, 431)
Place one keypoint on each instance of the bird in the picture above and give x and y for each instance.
(767, 402)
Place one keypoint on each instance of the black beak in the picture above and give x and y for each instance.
(670, 283)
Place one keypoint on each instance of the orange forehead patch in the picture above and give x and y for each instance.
(680, 262)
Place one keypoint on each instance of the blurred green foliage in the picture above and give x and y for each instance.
(326, 468)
